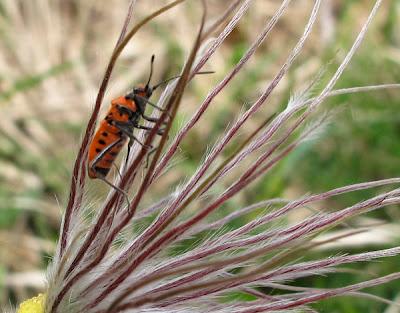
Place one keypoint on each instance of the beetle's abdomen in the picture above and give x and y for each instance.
(104, 149)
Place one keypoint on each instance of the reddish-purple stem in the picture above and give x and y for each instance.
(80, 163)
(260, 39)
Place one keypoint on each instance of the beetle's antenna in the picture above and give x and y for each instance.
(151, 70)
(174, 77)
(165, 81)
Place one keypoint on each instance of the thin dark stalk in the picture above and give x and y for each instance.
(159, 243)
(226, 283)
(126, 23)
(239, 148)
(115, 55)
(166, 218)
(249, 53)
(317, 296)
(210, 29)
(82, 154)
(80, 162)
(79, 171)
(173, 103)
(288, 255)
(177, 231)
(294, 232)
(207, 163)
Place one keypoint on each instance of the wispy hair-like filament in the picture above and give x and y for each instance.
(105, 264)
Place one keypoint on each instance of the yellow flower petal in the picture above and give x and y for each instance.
(33, 305)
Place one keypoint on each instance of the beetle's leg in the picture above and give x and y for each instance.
(150, 119)
(150, 103)
(117, 189)
(97, 159)
(148, 156)
(159, 131)
(101, 154)
(118, 170)
(127, 129)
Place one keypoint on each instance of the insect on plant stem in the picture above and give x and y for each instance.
(79, 171)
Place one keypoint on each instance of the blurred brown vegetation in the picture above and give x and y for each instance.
(52, 57)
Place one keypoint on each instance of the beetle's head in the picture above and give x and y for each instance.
(144, 91)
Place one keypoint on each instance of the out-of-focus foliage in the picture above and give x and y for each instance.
(53, 53)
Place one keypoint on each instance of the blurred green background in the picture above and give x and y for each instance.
(52, 57)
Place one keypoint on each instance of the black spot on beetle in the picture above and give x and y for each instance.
(102, 170)
(105, 134)
(102, 142)
(98, 150)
